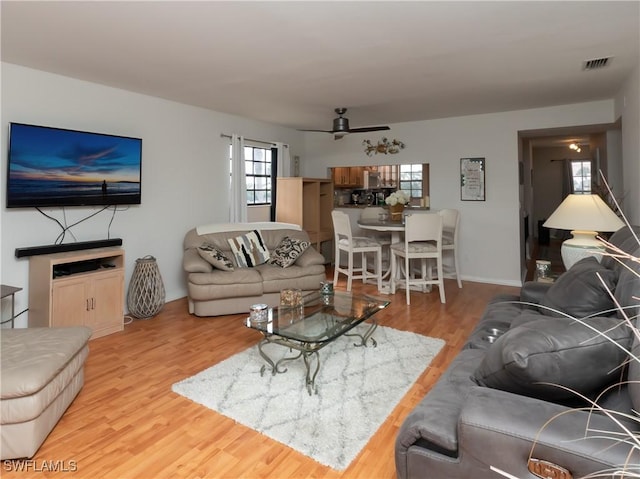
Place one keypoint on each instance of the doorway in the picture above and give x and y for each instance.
(543, 184)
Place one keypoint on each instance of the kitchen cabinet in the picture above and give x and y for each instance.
(78, 288)
(352, 177)
(356, 176)
(341, 176)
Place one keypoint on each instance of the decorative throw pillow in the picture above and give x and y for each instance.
(580, 293)
(288, 251)
(249, 249)
(215, 257)
(559, 352)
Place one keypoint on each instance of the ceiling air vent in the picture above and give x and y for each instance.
(596, 63)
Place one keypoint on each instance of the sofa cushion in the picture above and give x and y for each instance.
(215, 257)
(33, 357)
(225, 284)
(249, 249)
(275, 278)
(628, 288)
(532, 292)
(287, 252)
(310, 257)
(552, 359)
(192, 262)
(626, 239)
(634, 375)
(580, 293)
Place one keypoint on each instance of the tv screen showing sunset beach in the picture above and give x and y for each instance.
(58, 167)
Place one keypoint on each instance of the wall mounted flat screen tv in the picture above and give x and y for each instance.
(58, 167)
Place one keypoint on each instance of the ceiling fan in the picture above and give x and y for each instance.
(341, 126)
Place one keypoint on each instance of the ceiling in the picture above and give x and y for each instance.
(292, 63)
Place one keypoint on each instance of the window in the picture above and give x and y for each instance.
(257, 165)
(581, 176)
(411, 179)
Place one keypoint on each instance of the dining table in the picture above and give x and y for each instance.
(396, 228)
(393, 227)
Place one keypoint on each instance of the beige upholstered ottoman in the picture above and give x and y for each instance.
(42, 372)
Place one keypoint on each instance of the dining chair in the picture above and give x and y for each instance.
(345, 241)
(422, 240)
(450, 226)
(373, 213)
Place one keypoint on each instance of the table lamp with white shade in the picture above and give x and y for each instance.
(585, 216)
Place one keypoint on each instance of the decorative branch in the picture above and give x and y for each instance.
(384, 146)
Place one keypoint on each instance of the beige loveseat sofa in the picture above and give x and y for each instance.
(42, 372)
(214, 292)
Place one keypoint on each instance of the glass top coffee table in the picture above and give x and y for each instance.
(309, 328)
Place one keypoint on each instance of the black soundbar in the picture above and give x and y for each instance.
(61, 248)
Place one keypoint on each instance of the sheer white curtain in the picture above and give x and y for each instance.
(238, 190)
(284, 159)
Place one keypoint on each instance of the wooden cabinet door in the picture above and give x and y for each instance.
(95, 301)
(92, 298)
(70, 303)
(341, 176)
(106, 301)
(356, 176)
(335, 176)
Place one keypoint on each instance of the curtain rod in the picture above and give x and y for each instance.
(224, 135)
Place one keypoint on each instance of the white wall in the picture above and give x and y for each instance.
(627, 107)
(185, 174)
(615, 176)
(490, 230)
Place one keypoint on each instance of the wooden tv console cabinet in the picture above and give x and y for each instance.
(78, 288)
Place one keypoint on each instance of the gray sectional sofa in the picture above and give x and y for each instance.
(508, 400)
(213, 291)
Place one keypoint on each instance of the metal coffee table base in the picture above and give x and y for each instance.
(309, 353)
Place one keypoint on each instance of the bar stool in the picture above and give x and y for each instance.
(422, 240)
(345, 241)
(450, 226)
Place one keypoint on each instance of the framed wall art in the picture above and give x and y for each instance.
(472, 179)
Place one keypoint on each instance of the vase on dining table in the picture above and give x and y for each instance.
(395, 212)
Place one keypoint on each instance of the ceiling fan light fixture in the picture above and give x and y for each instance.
(341, 126)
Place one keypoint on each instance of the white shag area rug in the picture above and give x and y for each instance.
(357, 388)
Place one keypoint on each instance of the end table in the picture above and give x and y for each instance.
(5, 291)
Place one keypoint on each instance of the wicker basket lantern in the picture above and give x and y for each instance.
(146, 293)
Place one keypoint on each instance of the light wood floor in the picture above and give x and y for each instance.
(127, 423)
